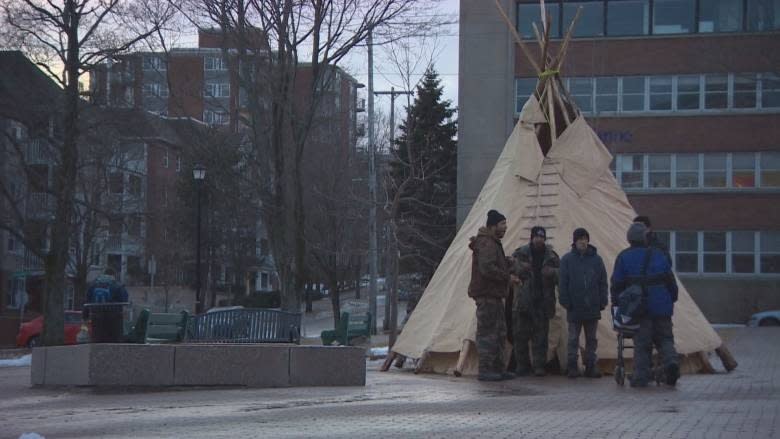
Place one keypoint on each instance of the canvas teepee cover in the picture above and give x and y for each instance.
(572, 186)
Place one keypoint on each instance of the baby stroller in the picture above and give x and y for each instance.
(626, 328)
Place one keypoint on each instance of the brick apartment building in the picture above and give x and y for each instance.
(203, 84)
(685, 94)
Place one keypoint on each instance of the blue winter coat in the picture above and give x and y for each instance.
(583, 285)
(660, 281)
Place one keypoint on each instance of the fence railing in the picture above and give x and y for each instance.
(254, 325)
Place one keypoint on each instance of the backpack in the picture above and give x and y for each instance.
(101, 294)
(632, 302)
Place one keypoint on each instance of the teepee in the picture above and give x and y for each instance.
(554, 172)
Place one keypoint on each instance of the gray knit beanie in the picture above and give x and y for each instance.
(637, 233)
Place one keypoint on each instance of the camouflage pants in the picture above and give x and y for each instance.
(653, 331)
(530, 326)
(491, 334)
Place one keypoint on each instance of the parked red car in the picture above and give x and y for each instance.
(30, 332)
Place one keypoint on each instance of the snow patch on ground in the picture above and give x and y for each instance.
(31, 436)
(25, 360)
(378, 352)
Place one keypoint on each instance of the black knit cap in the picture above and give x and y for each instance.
(538, 231)
(580, 233)
(494, 217)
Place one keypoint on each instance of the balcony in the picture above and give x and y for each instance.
(32, 262)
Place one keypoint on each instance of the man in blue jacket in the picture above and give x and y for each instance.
(583, 293)
(655, 327)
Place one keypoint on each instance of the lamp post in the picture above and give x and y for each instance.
(199, 174)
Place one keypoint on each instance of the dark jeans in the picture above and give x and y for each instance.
(653, 331)
(591, 342)
(491, 334)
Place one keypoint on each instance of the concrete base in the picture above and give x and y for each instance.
(255, 365)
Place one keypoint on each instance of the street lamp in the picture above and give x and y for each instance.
(199, 174)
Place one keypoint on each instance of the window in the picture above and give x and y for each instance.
(745, 90)
(720, 15)
(743, 250)
(178, 163)
(116, 182)
(716, 88)
(216, 117)
(631, 170)
(687, 252)
(115, 227)
(660, 171)
(770, 90)
(743, 170)
(115, 262)
(688, 91)
(634, 93)
(687, 170)
(628, 17)
(135, 185)
(581, 90)
(134, 226)
(155, 90)
(591, 21)
(714, 256)
(763, 15)
(661, 93)
(770, 169)
(606, 94)
(673, 16)
(165, 161)
(95, 255)
(531, 13)
(214, 63)
(217, 90)
(714, 170)
(770, 252)
(264, 280)
(152, 63)
(523, 89)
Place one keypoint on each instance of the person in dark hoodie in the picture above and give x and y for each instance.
(533, 305)
(660, 286)
(583, 293)
(489, 286)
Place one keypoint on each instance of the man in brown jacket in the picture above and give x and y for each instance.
(490, 279)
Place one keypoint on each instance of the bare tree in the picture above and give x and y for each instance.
(67, 39)
(287, 52)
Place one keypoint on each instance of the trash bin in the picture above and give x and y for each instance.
(106, 322)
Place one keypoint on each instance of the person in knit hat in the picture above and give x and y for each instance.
(533, 303)
(489, 287)
(660, 290)
(583, 293)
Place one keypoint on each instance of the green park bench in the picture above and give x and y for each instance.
(350, 326)
(158, 327)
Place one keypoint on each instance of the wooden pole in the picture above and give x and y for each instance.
(388, 361)
(518, 39)
(423, 359)
(465, 350)
(726, 358)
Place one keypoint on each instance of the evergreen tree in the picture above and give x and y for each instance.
(425, 158)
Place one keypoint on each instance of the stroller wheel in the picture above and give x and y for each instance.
(620, 375)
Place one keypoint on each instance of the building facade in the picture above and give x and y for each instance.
(686, 96)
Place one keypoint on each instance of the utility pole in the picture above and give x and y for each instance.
(391, 302)
(372, 256)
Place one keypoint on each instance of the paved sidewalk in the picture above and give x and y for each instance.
(742, 404)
